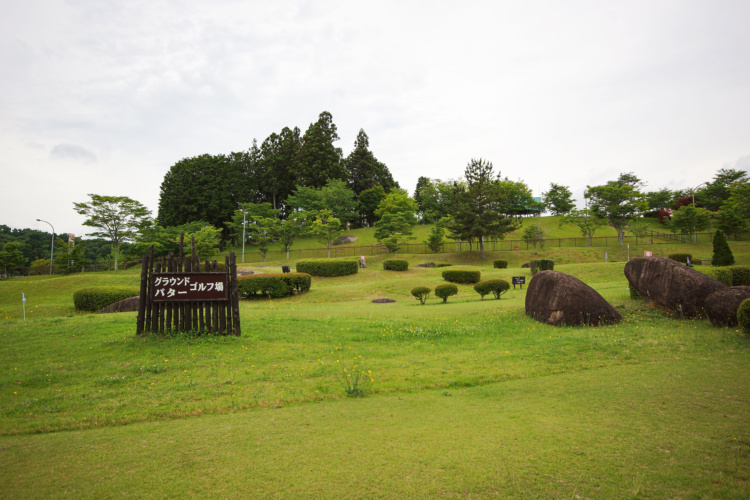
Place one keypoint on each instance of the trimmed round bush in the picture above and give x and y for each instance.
(395, 265)
(446, 290)
(273, 285)
(500, 264)
(541, 265)
(421, 293)
(328, 268)
(466, 275)
(722, 274)
(497, 287)
(743, 316)
(97, 298)
(681, 257)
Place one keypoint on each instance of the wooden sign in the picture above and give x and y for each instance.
(180, 295)
(519, 280)
(197, 287)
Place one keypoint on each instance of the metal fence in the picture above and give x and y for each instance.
(349, 250)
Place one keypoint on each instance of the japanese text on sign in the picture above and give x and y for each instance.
(193, 286)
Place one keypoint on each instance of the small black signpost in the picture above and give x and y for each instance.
(519, 280)
(176, 295)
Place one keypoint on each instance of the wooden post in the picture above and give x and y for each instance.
(142, 301)
(234, 295)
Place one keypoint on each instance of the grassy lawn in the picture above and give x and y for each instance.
(467, 398)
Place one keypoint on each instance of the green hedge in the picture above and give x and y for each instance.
(722, 274)
(421, 293)
(500, 264)
(740, 275)
(446, 290)
(497, 287)
(681, 257)
(743, 315)
(395, 265)
(273, 285)
(97, 298)
(462, 275)
(328, 267)
(541, 265)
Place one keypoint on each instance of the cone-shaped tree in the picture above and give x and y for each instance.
(722, 254)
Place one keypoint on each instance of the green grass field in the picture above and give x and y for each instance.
(465, 399)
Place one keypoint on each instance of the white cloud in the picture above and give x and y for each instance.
(566, 92)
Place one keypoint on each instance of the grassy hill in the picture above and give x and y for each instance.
(467, 398)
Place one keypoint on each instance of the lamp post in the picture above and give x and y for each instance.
(51, 245)
(243, 231)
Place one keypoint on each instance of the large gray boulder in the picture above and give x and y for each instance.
(126, 305)
(671, 285)
(560, 299)
(344, 240)
(721, 306)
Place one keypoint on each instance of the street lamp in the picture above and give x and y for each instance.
(51, 245)
(243, 231)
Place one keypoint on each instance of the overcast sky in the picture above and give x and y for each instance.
(102, 97)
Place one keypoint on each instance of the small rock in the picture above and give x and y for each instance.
(382, 301)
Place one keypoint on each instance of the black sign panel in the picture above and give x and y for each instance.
(519, 280)
(171, 287)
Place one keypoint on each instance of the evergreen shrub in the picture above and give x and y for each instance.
(500, 264)
(722, 274)
(722, 254)
(464, 275)
(681, 257)
(541, 265)
(97, 298)
(328, 267)
(446, 290)
(395, 265)
(273, 285)
(740, 275)
(421, 293)
(495, 286)
(743, 316)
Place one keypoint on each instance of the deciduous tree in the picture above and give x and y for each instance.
(586, 221)
(617, 201)
(117, 218)
(558, 200)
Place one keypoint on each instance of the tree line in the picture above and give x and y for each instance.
(211, 187)
(296, 185)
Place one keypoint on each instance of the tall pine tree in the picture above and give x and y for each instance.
(364, 170)
(319, 160)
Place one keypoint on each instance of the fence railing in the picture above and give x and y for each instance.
(349, 250)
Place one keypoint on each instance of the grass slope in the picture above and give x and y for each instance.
(468, 398)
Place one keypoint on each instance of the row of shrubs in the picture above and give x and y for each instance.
(497, 287)
(273, 285)
(729, 275)
(95, 299)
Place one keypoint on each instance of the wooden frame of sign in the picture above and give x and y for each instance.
(178, 296)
